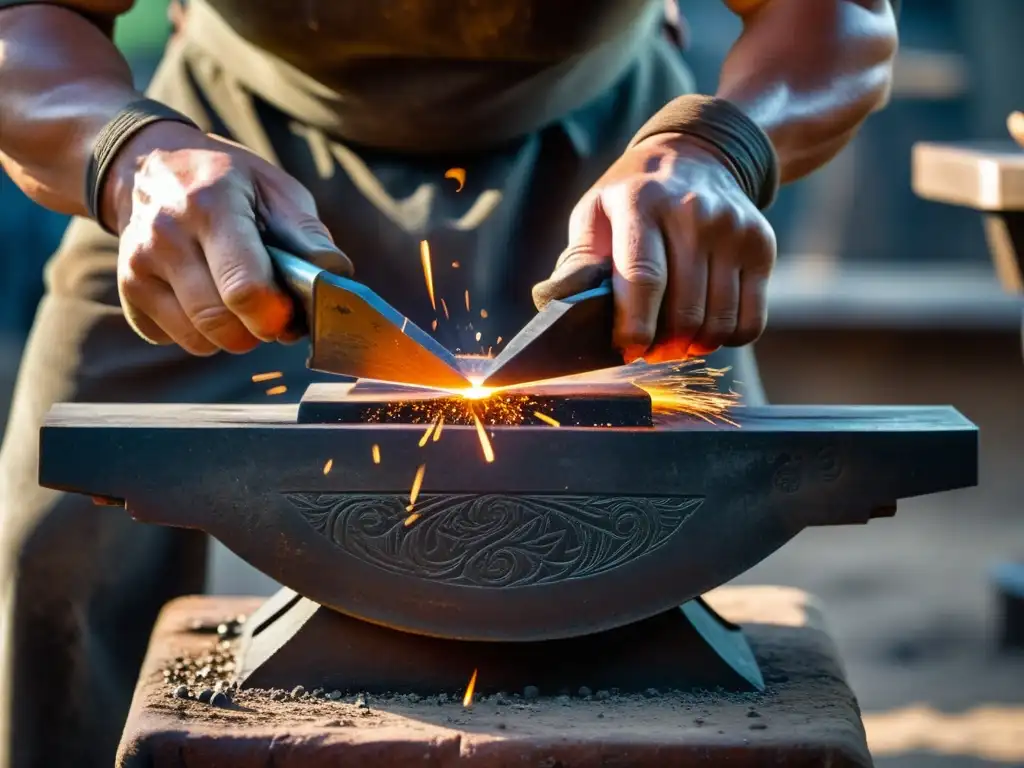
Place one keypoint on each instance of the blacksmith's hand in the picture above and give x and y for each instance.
(689, 253)
(192, 268)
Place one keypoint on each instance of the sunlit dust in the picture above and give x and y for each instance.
(428, 272)
(547, 419)
(417, 482)
(459, 174)
(280, 390)
(270, 376)
(485, 442)
(375, 453)
(328, 465)
(467, 699)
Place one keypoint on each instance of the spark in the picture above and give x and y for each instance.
(416, 483)
(412, 518)
(328, 465)
(280, 390)
(455, 265)
(483, 313)
(688, 388)
(547, 419)
(427, 434)
(498, 341)
(427, 271)
(467, 299)
(485, 442)
(375, 452)
(433, 325)
(459, 174)
(467, 700)
(270, 376)
(440, 426)
(444, 306)
(478, 335)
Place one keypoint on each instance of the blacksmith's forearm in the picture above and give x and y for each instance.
(61, 80)
(810, 72)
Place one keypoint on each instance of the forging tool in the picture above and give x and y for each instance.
(354, 332)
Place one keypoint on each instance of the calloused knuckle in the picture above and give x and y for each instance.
(242, 294)
(646, 275)
(201, 199)
(636, 335)
(212, 320)
(648, 192)
(696, 206)
(688, 317)
(721, 322)
(163, 226)
(131, 284)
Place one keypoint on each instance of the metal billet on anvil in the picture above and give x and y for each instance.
(570, 531)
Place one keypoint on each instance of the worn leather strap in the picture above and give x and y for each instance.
(745, 149)
(114, 135)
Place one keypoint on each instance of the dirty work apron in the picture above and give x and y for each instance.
(84, 584)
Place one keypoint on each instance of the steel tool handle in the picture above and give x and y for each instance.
(297, 274)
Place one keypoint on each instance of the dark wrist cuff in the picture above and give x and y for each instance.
(745, 148)
(114, 136)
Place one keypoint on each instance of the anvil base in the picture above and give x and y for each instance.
(807, 716)
(291, 640)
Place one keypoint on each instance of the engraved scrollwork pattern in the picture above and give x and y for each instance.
(496, 540)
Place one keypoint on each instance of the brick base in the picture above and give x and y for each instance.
(806, 717)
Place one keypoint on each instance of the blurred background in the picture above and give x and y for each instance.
(879, 297)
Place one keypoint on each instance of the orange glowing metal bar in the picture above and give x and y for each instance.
(328, 465)
(270, 376)
(485, 442)
(277, 390)
(444, 306)
(547, 419)
(375, 452)
(459, 174)
(428, 273)
(416, 483)
(467, 299)
(467, 700)
(427, 434)
(440, 426)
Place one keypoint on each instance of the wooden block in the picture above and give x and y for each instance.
(807, 717)
(609, 404)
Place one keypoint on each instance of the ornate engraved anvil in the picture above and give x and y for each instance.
(572, 533)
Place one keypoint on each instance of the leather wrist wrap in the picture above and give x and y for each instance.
(746, 150)
(113, 137)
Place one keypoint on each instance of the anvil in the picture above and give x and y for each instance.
(572, 531)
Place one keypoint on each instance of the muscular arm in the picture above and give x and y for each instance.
(809, 72)
(62, 80)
